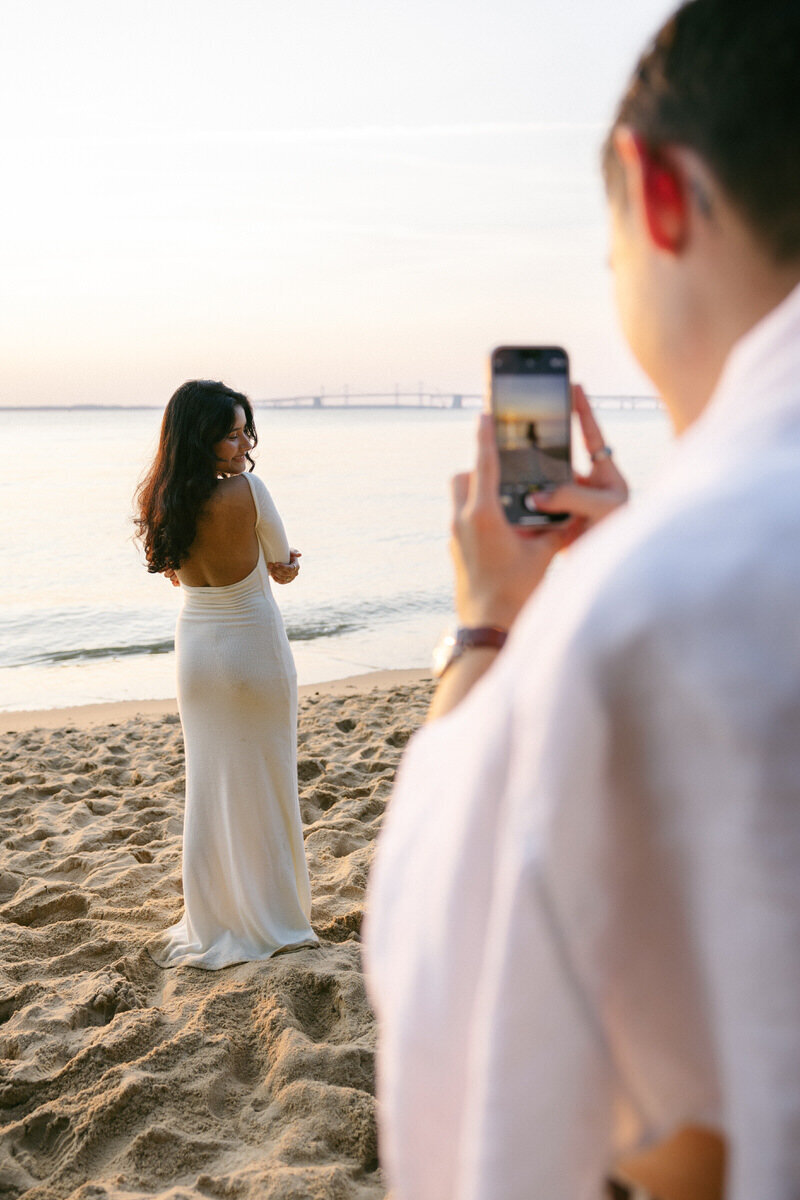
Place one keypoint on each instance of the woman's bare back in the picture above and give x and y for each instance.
(225, 547)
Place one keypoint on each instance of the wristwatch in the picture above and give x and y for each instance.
(452, 645)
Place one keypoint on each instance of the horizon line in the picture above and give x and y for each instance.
(289, 400)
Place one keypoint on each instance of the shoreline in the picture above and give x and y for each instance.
(112, 711)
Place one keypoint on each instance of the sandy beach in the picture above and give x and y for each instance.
(119, 1079)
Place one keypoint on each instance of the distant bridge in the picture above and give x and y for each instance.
(396, 399)
(419, 399)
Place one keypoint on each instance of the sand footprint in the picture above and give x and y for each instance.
(309, 768)
(10, 883)
(321, 1081)
(46, 904)
(115, 997)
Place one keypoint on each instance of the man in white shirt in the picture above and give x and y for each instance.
(584, 917)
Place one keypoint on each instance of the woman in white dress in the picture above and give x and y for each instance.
(212, 527)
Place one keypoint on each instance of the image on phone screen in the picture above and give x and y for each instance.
(531, 405)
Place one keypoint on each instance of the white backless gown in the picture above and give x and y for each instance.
(245, 879)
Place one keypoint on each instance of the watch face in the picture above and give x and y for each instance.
(443, 652)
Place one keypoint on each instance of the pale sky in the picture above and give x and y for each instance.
(296, 194)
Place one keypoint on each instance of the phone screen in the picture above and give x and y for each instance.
(531, 404)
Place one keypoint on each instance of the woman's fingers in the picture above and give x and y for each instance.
(284, 572)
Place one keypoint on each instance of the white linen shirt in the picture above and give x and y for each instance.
(584, 914)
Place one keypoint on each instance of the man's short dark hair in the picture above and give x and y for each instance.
(722, 77)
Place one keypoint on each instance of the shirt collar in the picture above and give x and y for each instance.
(761, 376)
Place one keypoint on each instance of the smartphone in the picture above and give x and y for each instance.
(531, 403)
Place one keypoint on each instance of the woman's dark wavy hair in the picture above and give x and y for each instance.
(171, 496)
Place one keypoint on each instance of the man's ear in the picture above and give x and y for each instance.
(659, 186)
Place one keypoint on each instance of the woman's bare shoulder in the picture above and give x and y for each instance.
(231, 488)
(233, 495)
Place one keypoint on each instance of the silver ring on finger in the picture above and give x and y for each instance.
(601, 454)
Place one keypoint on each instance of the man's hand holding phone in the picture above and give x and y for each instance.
(499, 565)
(590, 497)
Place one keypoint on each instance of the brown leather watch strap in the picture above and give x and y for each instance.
(453, 646)
(481, 635)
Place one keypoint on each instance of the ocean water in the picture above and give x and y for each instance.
(363, 493)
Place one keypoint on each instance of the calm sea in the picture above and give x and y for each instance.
(363, 493)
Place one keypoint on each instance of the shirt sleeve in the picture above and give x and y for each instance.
(584, 900)
(425, 935)
(532, 1027)
(269, 526)
(494, 1078)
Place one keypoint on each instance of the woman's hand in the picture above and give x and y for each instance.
(589, 498)
(286, 572)
(172, 577)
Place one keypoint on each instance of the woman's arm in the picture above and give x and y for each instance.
(269, 526)
(282, 560)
